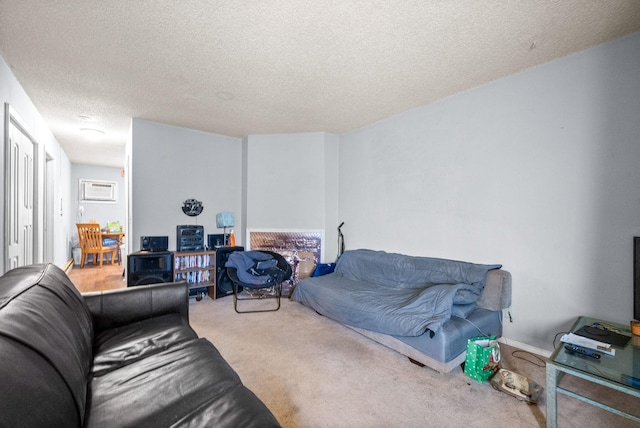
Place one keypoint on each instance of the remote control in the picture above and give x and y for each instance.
(582, 351)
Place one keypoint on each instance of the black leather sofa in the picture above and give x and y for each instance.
(121, 358)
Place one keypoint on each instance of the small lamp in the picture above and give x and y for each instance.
(223, 220)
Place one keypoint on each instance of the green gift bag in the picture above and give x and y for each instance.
(483, 356)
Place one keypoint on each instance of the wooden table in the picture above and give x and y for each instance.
(117, 236)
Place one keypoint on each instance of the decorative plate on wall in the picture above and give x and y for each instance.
(192, 207)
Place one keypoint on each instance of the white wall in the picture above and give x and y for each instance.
(102, 212)
(11, 92)
(285, 181)
(291, 183)
(539, 171)
(169, 165)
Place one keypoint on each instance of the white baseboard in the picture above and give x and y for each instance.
(525, 347)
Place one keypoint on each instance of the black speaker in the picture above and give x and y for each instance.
(154, 243)
(224, 286)
(149, 268)
(215, 240)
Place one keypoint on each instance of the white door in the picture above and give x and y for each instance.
(20, 198)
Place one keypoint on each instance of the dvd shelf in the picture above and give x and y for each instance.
(198, 268)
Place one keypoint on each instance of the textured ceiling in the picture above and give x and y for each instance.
(247, 67)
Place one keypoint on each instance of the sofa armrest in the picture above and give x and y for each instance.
(113, 308)
(497, 291)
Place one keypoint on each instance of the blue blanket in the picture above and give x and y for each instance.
(394, 293)
(255, 268)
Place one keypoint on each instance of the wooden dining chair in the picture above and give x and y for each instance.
(90, 238)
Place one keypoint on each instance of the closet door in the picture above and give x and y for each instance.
(20, 197)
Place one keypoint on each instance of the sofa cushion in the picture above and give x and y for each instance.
(124, 345)
(172, 387)
(41, 310)
(463, 310)
(225, 408)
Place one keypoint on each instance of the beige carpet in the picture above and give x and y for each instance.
(313, 372)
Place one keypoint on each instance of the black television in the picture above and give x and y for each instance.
(636, 278)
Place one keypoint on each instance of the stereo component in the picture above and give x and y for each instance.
(190, 238)
(154, 243)
(149, 268)
(215, 241)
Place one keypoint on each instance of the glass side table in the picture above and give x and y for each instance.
(620, 372)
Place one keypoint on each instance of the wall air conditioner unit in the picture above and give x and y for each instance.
(98, 191)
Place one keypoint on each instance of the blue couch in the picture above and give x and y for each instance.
(425, 308)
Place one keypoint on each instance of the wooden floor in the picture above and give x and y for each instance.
(95, 278)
